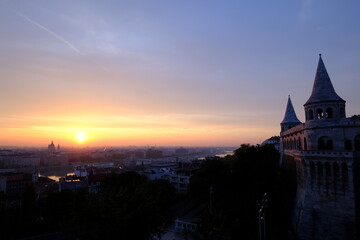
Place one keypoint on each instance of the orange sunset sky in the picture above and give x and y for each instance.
(167, 73)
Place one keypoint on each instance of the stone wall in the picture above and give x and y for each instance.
(325, 200)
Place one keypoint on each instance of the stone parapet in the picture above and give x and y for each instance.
(323, 123)
(324, 156)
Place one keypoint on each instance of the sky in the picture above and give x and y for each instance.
(168, 73)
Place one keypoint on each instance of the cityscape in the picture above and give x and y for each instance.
(169, 120)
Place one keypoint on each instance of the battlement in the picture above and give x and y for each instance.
(325, 123)
(327, 154)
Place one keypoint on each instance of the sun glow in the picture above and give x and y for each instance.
(80, 136)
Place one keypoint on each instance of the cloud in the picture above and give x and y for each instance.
(99, 37)
(160, 121)
(58, 37)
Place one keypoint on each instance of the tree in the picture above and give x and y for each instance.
(239, 181)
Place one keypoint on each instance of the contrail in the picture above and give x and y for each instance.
(49, 31)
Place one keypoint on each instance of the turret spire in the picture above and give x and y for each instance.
(323, 90)
(290, 115)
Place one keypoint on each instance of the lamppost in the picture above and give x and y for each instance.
(210, 198)
(261, 216)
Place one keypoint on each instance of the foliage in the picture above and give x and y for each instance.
(129, 207)
(237, 184)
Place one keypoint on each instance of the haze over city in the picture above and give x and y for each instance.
(204, 73)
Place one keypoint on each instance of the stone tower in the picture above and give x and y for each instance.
(290, 119)
(323, 156)
(324, 101)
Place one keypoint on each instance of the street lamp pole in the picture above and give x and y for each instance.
(210, 198)
(261, 216)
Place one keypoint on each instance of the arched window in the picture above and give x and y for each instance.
(310, 115)
(319, 113)
(325, 143)
(329, 113)
(321, 144)
(299, 143)
(348, 145)
(357, 143)
(329, 144)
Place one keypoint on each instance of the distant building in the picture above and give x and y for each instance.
(178, 174)
(51, 147)
(54, 160)
(180, 180)
(87, 176)
(95, 180)
(17, 160)
(275, 140)
(153, 153)
(73, 183)
(181, 151)
(158, 173)
(14, 183)
(44, 185)
(323, 155)
(182, 225)
(139, 154)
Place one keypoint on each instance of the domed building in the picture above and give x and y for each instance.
(323, 154)
(51, 147)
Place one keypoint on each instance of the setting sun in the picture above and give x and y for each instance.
(81, 136)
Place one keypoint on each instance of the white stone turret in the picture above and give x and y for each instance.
(322, 157)
(324, 102)
(290, 119)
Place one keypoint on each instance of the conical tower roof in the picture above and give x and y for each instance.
(290, 115)
(323, 90)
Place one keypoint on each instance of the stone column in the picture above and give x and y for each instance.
(350, 182)
(307, 176)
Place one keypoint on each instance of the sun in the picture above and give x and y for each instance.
(80, 136)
